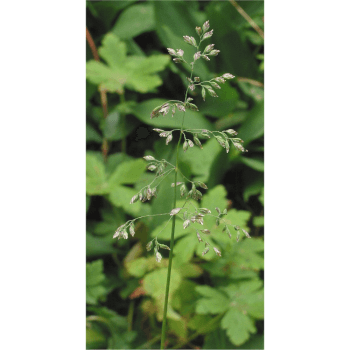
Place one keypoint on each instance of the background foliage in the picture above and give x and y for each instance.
(214, 302)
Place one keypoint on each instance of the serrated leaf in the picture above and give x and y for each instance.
(95, 291)
(135, 20)
(238, 326)
(97, 246)
(127, 173)
(154, 284)
(136, 72)
(96, 181)
(185, 247)
(214, 301)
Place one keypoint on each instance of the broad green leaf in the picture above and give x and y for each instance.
(127, 173)
(136, 72)
(236, 56)
(114, 160)
(230, 120)
(94, 339)
(185, 247)
(108, 79)
(258, 221)
(261, 197)
(217, 339)
(95, 291)
(254, 163)
(201, 160)
(238, 326)
(106, 11)
(253, 126)
(137, 267)
(135, 20)
(92, 134)
(222, 105)
(214, 301)
(113, 51)
(247, 254)
(163, 231)
(120, 337)
(184, 296)
(154, 284)
(203, 324)
(215, 197)
(188, 269)
(254, 183)
(120, 196)
(96, 181)
(96, 246)
(111, 219)
(237, 217)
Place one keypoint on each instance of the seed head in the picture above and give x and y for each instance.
(132, 230)
(239, 147)
(178, 60)
(190, 40)
(231, 132)
(180, 52)
(217, 251)
(214, 53)
(186, 223)
(185, 146)
(168, 139)
(149, 193)
(206, 57)
(208, 48)
(172, 52)
(219, 79)
(148, 158)
(198, 236)
(196, 141)
(205, 251)
(197, 79)
(163, 246)
(199, 30)
(149, 245)
(206, 231)
(134, 199)
(228, 76)
(206, 26)
(175, 211)
(190, 143)
(192, 87)
(215, 85)
(158, 130)
(197, 55)
(164, 134)
(208, 35)
(246, 233)
(158, 257)
(181, 107)
(151, 168)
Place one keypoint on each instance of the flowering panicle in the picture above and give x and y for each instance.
(192, 138)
